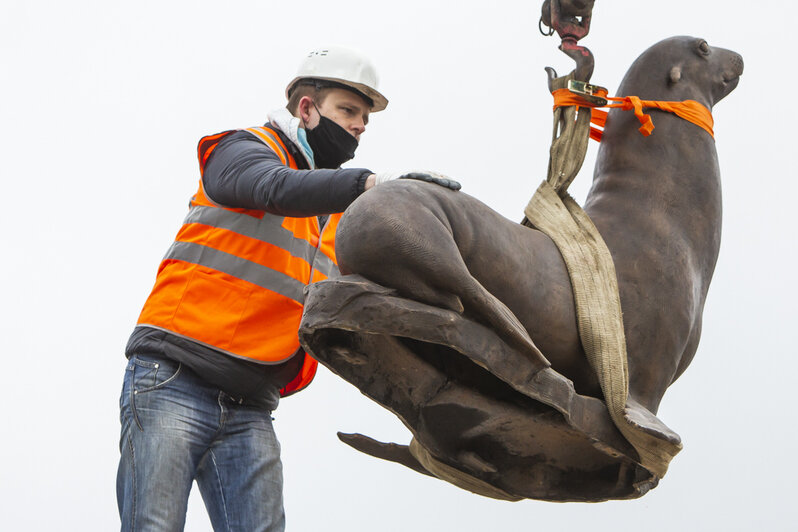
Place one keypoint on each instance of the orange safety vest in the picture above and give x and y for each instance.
(234, 279)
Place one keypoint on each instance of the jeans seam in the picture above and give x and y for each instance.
(222, 413)
(144, 363)
(221, 491)
(133, 409)
(133, 481)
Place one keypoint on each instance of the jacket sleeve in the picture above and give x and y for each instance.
(244, 173)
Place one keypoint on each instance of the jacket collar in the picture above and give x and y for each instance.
(287, 124)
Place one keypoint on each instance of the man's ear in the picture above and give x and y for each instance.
(675, 74)
(303, 108)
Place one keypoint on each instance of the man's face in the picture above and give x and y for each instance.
(345, 108)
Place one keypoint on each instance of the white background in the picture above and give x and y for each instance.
(102, 104)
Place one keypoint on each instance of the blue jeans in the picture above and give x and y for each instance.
(177, 428)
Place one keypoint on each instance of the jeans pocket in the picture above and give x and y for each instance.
(146, 374)
(149, 374)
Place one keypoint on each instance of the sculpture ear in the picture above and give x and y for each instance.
(675, 74)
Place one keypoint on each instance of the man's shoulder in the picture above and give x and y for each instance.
(235, 143)
(243, 137)
(250, 134)
(223, 149)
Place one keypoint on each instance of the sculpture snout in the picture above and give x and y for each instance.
(729, 68)
(735, 68)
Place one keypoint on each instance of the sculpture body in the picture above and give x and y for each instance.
(656, 202)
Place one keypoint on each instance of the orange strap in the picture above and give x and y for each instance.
(689, 110)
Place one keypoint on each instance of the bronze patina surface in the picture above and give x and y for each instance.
(462, 322)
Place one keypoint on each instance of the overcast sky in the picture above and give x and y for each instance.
(102, 104)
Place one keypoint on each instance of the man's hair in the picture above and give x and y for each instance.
(300, 90)
(318, 89)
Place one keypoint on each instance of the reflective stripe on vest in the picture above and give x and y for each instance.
(267, 229)
(234, 279)
(274, 142)
(237, 267)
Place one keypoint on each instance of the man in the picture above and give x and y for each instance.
(216, 344)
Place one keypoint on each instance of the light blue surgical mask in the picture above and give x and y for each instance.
(302, 136)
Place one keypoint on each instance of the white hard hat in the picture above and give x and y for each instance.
(344, 66)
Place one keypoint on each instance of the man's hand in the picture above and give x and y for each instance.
(433, 177)
(421, 175)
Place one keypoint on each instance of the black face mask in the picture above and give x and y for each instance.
(331, 144)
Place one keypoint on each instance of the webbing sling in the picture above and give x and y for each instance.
(593, 279)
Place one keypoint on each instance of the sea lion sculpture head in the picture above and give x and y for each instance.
(684, 68)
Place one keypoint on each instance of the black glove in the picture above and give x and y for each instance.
(433, 177)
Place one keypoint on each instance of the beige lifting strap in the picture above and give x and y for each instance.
(592, 272)
(455, 476)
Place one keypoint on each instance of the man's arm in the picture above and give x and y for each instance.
(244, 173)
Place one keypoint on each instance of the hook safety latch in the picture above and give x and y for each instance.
(591, 93)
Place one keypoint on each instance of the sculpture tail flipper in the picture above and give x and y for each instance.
(393, 452)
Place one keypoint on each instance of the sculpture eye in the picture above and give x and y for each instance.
(703, 47)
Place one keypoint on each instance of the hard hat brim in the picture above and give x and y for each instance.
(380, 101)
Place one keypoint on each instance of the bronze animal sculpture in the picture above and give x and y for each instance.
(439, 275)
